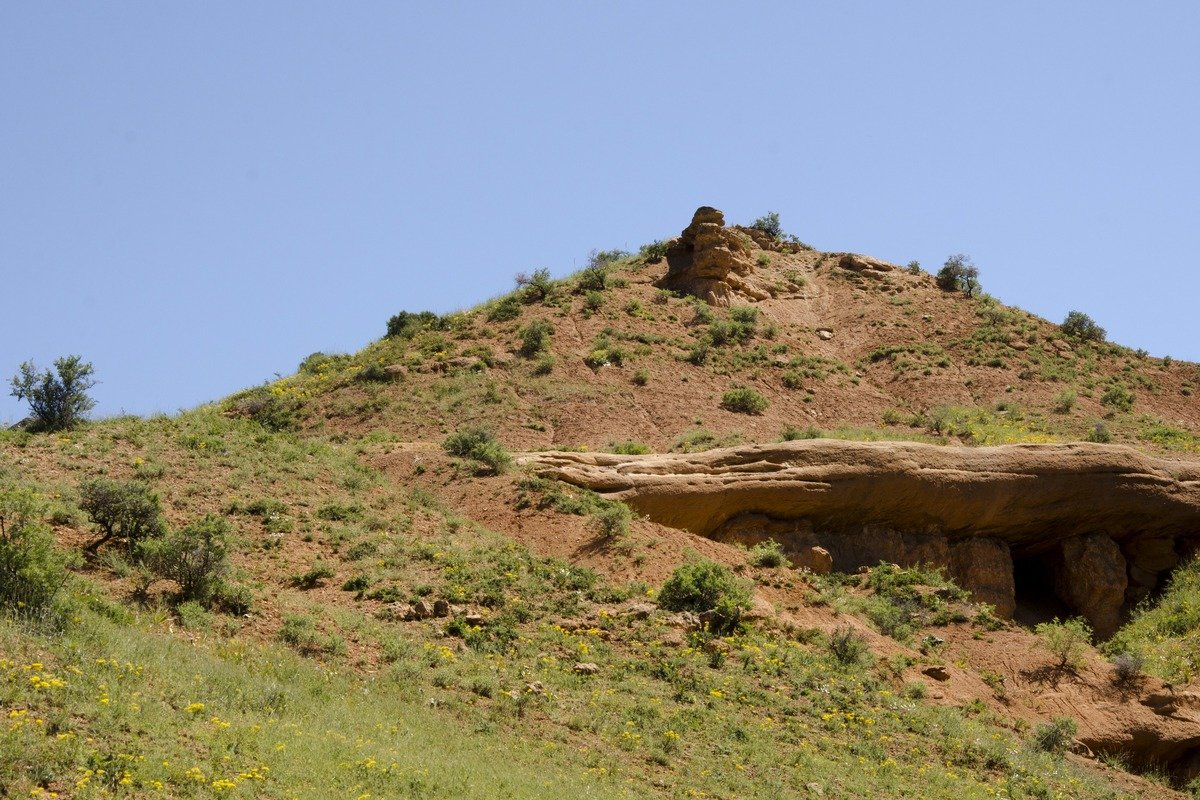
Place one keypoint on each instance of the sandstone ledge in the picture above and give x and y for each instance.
(1103, 521)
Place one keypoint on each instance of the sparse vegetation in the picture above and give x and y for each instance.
(32, 570)
(535, 337)
(126, 512)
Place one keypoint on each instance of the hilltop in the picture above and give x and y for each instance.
(443, 584)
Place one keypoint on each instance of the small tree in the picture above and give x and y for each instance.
(1079, 325)
(31, 569)
(958, 274)
(1066, 640)
(478, 444)
(769, 224)
(196, 557)
(58, 401)
(125, 511)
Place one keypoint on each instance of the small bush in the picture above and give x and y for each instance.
(847, 646)
(481, 445)
(1118, 398)
(407, 324)
(57, 399)
(318, 362)
(1064, 401)
(958, 274)
(275, 412)
(505, 309)
(1056, 736)
(126, 512)
(1099, 434)
(1079, 325)
(31, 569)
(536, 287)
(769, 224)
(613, 520)
(792, 379)
(535, 337)
(544, 365)
(704, 586)
(768, 554)
(196, 557)
(654, 251)
(1067, 641)
(629, 448)
(641, 377)
(914, 268)
(744, 400)
(314, 577)
(792, 434)
(1127, 667)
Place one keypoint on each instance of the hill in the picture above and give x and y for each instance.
(408, 614)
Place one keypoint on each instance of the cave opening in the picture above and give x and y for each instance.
(1033, 584)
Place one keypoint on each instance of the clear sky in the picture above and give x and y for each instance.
(195, 196)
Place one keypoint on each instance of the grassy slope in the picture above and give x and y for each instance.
(759, 716)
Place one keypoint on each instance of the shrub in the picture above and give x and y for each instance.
(629, 448)
(1064, 401)
(58, 401)
(535, 337)
(769, 224)
(1099, 434)
(1079, 325)
(407, 324)
(613, 520)
(847, 645)
(592, 301)
(275, 412)
(744, 400)
(314, 577)
(1067, 641)
(319, 362)
(792, 379)
(1055, 737)
(1127, 667)
(504, 309)
(792, 434)
(654, 251)
(767, 554)
(535, 287)
(126, 512)
(914, 267)
(544, 365)
(196, 557)
(478, 444)
(31, 569)
(1118, 398)
(705, 586)
(959, 274)
(641, 377)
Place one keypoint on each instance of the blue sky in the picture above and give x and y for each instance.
(196, 196)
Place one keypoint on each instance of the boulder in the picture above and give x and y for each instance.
(816, 560)
(713, 262)
(1091, 579)
(984, 567)
(865, 265)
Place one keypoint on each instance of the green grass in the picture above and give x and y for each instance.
(1165, 633)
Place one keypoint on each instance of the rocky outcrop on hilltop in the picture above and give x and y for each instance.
(713, 262)
(1103, 523)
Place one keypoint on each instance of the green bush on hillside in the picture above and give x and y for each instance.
(408, 324)
(196, 557)
(126, 512)
(744, 400)
(535, 337)
(958, 274)
(705, 586)
(1079, 325)
(481, 445)
(1066, 640)
(1118, 398)
(31, 570)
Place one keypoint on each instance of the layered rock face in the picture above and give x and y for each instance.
(1106, 521)
(713, 262)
